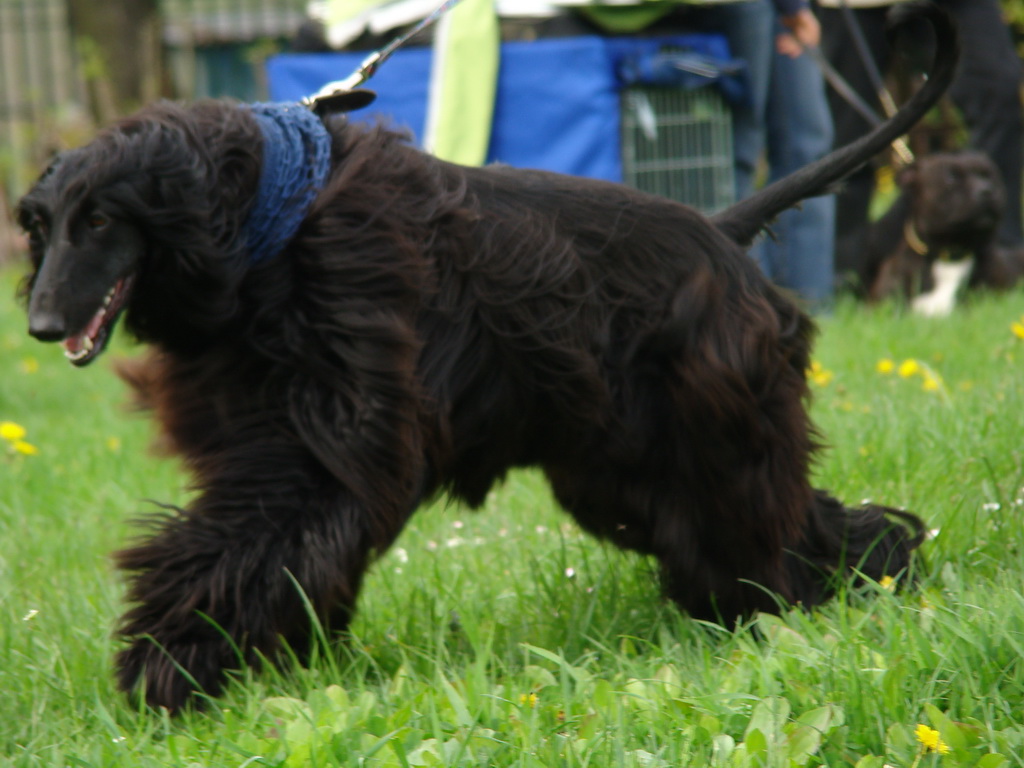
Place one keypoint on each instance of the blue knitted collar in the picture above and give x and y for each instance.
(296, 164)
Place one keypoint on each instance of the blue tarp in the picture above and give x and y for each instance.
(557, 103)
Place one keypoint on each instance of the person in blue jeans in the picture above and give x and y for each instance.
(788, 120)
(799, 131)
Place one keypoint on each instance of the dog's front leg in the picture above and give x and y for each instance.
(949, 277)
(216, 583)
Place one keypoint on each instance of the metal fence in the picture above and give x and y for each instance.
(213, 47)
(678, 143)
(203, 22)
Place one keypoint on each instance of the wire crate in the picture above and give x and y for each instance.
(677, 143)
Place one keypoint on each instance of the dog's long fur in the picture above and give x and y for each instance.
(430, 327)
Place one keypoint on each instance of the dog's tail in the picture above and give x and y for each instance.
(743, 221)
(873, 541)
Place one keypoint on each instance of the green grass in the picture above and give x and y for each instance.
(507, 638)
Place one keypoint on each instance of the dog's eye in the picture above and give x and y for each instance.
(97, 221)
(30, 221)
(36, 229)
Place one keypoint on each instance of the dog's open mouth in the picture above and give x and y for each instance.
(84, 347)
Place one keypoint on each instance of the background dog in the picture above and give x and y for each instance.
(939, 234)
(424, 328)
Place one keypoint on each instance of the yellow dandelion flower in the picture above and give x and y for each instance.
(11, 431)
(818, 374)
(1017, 327)
(528, 698)
(930, 384)
(114, 443)
(931, 740)
(887, 582)
(885, 366)
(908, 368)
(29, 365)
(25, 449)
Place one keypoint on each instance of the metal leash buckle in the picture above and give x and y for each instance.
(345, 95)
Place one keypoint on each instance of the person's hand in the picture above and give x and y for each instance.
(804, 32)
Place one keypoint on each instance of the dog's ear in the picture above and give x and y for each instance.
(343, 101)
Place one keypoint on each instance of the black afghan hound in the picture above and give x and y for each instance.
(424, 328)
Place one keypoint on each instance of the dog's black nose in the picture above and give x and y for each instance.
(47, 326)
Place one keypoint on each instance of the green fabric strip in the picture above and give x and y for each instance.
(464, 81)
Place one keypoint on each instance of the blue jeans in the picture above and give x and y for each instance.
(787, 116)
(799, 131)
(748, 27)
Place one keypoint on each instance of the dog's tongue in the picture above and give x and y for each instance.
(74, 344)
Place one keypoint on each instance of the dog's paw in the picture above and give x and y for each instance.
(933, 304)
(171, 675)
(949, 278)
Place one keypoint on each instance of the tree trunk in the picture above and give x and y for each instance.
(119, 46)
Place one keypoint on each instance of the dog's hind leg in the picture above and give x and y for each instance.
(719, 569)
(712, 408)
(870, 540)
(713, 570)
(736, 439)
(217, 585)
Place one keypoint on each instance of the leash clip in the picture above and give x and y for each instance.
(345, 95)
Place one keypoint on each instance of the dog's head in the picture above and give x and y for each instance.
(140, 217)
(955, 196)
(85, 252)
